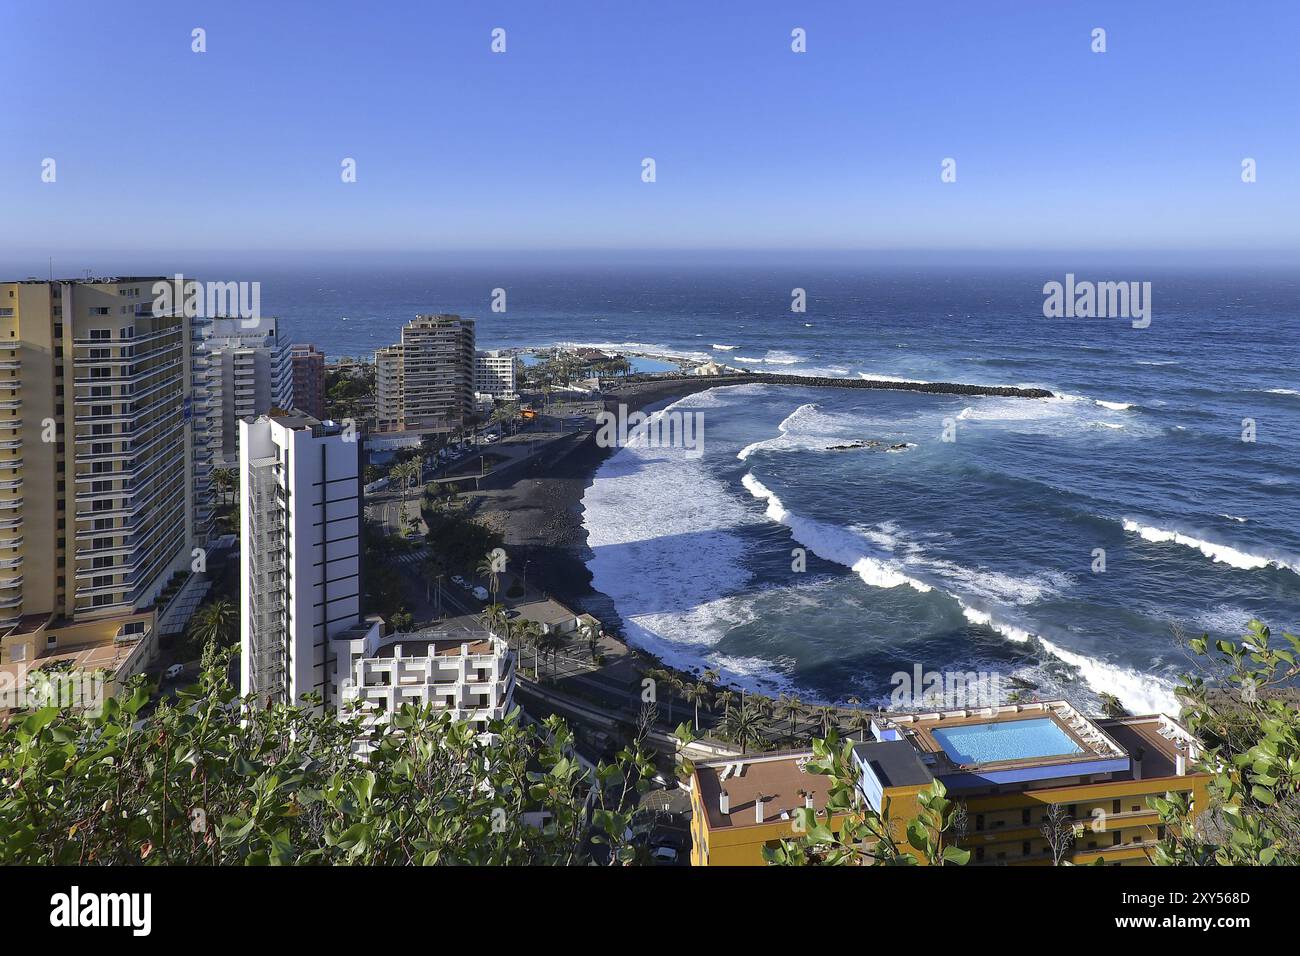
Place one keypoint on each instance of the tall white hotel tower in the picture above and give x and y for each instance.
(300, 524)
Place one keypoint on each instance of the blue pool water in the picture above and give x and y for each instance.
(1012, 740)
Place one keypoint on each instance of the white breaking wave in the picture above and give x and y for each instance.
(870, 377)
(773, 357)
(1282, 391)
(784, 428)
(1237, 518)
(1115, 406)
(833, 544)
(1221, 553)
(1137, 691)
(725, 348)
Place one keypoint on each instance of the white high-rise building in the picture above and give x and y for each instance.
(494, 374)
(300, 555)
(301, 628)
(245, 371)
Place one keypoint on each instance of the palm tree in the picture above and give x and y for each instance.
(744, 726)
(591, 634)
(224, 481)
(695, 693)
(666, 680)
(550, 643)
(494, 618)
(788, 705)
(724, 700)
(490, 568)
(526, 633)
(826, 716)
(861, 721)
(214, 623)
(405, 474)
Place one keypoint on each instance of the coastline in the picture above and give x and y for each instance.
(540, 515)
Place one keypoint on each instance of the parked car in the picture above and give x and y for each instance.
(176, 670)
(457, 580)
(664, 855)
(480, 592)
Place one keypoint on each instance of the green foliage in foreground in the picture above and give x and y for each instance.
(210, 780)
(864, 837)
(1249, 723)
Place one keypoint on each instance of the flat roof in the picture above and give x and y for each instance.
(895, 763)
(778, 779)
(1092, 741)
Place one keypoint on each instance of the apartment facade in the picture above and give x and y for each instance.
(300, 563)
(301, 627)
(1008, 767)
(97, 505)
(495, 374)
(426, 382)
(471, 677)
(307, 364)
(243, 370)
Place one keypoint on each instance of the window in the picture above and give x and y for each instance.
(97, 335)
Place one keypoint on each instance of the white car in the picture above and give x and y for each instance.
(480, 592)
(664, 855)
(457, 580)
(176, 670)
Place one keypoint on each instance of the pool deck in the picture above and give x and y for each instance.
(1093, 742)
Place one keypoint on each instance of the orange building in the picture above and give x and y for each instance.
(1007, 767)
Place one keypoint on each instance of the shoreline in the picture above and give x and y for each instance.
(540, 516)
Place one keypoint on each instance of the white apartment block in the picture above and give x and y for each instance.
(469, 676)
(495, 374)
(300, 559)
(426, 382)
(242, 369)
(301, 629)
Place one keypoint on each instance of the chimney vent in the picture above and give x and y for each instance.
(724, 803)
(758, 809)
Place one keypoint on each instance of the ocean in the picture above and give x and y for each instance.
(1064, 542)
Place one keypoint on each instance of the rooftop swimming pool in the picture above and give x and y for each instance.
(1005, 740)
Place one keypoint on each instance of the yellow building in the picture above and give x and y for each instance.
(1007, 767)
(97, 488)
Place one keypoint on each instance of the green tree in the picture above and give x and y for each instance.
(1243, 711)
(213, 781)
(744, 725)
(787, 705)
(215, 623)
(697, 693)
(491, 568)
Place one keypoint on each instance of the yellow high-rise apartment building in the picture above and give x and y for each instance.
(97, 499)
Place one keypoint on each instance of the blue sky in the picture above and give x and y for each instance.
(540, 148)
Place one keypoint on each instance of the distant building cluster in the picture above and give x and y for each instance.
(425, 382)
